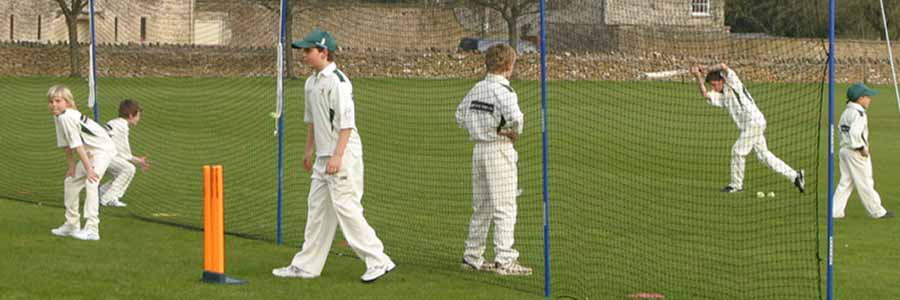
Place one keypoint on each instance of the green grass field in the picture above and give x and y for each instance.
(635, 170)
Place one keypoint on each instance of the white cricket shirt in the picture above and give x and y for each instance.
(329, 107)
(854, 127)
(738, 101)
(489, 106)
(118, 131)
(74, 130)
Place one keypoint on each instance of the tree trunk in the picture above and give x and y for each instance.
(513, 31)
(74, 53)
(288, 38)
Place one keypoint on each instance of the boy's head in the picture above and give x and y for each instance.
(716, 80)
(859, 93)
(500, 59)
(130, 110)
(59, 98)
(318, 48)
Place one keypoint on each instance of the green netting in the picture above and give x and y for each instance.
(635, 163)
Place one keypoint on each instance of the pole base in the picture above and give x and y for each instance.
(219, 278)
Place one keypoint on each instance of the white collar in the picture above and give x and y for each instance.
(856, 106)
(497, 78)
(328, 69)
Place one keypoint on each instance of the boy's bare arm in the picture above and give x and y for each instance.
(310, 147)
(717, 67)
(334, 164)
(698, 74)
(70, 162)
(86, 162)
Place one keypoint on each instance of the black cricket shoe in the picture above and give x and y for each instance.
(800, 181)
(731, 189)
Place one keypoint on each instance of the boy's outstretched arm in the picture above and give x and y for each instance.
(698, 74)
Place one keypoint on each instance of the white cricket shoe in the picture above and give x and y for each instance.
(374, 273)
(485, 267)
(292, 272)
(513, 269)
(116, 203)
(64, 230)
(86, 235)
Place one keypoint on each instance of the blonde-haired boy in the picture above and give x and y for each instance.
(490, 113)
(78, 133)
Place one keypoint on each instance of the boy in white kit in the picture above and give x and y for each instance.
(490, 113)
(334, 155)
(729, 92)
(856, 161)
(78, 133)
(121, 168)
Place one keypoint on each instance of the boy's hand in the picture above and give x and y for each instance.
(307, 162)
(696, 71)
(512, 135)
(91, 176)
(864, 152)
(70, 172)
(334, 165)
(144, 162)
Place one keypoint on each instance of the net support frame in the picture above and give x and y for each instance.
(92, 77)
(830, 259)
(890, 51)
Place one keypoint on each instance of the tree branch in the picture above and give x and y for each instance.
(62, 5)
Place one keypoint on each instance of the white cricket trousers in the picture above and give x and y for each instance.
(856, 170)
(336, 200)
(122, 172)
(494, 186)
(753, 138)
(73, 186)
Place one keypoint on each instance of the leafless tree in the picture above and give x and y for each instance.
(71, 10)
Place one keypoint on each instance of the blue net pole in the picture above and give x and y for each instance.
(280, 113)
(544, 151)
(830, 286)
(92, 98)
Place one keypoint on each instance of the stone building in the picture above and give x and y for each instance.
(571, 24)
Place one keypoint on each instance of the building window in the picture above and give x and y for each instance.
(143, 29)
(116, 29)
(39, 28)
(700, 7)
(12, 27)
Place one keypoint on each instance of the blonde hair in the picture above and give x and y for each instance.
(61, 91)
(499, 58)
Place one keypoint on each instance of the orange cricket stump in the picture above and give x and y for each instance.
(214, 228)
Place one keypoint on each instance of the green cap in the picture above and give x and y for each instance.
(858, 90)
(317, 39)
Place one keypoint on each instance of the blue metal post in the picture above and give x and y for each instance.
(94, 65)
(281, 128)
(830, 285)
(544, 142)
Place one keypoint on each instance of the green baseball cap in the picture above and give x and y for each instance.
(316, 39)
(858, 90)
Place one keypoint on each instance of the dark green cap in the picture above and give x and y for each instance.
(858, 90)
(316, 39)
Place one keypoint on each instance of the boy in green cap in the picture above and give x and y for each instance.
(334, 156)
(856, 161)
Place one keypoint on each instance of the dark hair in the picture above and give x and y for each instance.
(128, 108)
(714, 76)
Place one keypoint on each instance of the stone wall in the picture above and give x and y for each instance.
(768, 60)
(663, 13)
